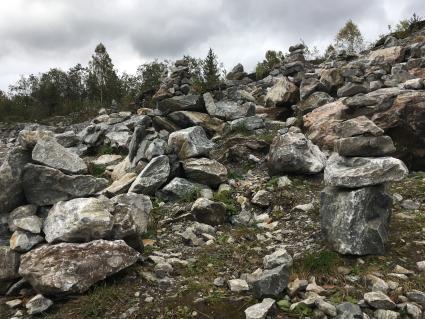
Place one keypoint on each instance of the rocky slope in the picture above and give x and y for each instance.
(284, 197)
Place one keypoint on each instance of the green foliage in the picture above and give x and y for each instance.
(303, 311)
(149, 75)
(234, 175)
(190, 196)
(349, 38)
(323, 262)
(105, 149)
(272, 59)
(96, 170)
(226, 197)
(98, 301)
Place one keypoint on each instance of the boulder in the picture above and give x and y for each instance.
(131, 215)
(152, 177)
(358, 126)
(294, 153)
(365, 146)
(356, 222)
(379, 300)
(79, 220)
(354, 172)
(12, 193)
(181, 103)
(283, 93)
(351, 89)
(205, 171)
(67, 139)
(390, 55)
(49, 152)
(209, 212)
(237, 73)
(38, 304)
(180, 188)
(259, 310)
(314, 101)
(73, 268)
(271, 282)
(190, 142)
(22, 241)
(47, 186)
(9, 263)
(20, 212)
(309, 86)
(107, 160)
(27, 139)
(228, 110)
(278, 258)
(94, 134)
(30, 223)
(250, 123)
(120, 186)
(185, 119)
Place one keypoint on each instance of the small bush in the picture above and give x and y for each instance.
(227, 199)
(323, 262)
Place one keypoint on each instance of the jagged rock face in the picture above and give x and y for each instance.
(94, 134)
(9, 263)
(12, 194)
(205, 171)
(358, 126)
(153, 176)
(294, 153)
(73, 268)
(356, 222)
(27, 139)
(20, 212)
(131, 215)
(181, 103)
(354, 172)
(185, 119)
(50, 153)
(79, 220)
(313, 101)
(284, 92)
(228, 110)
(190, 142)
(180, 187)
(209, 212)
(47, 186)
(365, 146)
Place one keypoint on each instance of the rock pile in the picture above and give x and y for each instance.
(355, 206)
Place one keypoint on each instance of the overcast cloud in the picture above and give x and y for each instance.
(36, 35)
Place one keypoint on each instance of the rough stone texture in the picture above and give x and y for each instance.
(314, 101)
(131, 215)
(228, 110)
(250, 123)
(73, 268)
(22, 241)
(67, 139)
(78, 220)
(190, 142)
(294, 153)
(27, 139)
(12, 194)
(356, 221)
(353, 172)
(205, 171)
(185, 119)
(259, 310)
(47, 186)
(391, 55)
(347, 310)
(180, 187)
(351, 89)
(358, 126)
(29, 223)
(9, 263)
(365, 146)
(152, 177)
(181, 103)
(38, 304)
(209, 212)
(107, 159)
(279, 258)
(20, 212)
(379, 300)
(271, 282)
(50, 153)
(284, 92)
(120, 186)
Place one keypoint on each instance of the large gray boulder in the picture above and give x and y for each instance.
(12, 194)
(93, 135)
(209, 212)
(228, 110)
(365, 146)
(294, 153)
(73, 268)
(205, 171)
(50, 153)
(152, 177)
(47, 186)
(358, 126)
(190, 142)
(180, 188)
(283, 93)
(354, 172)
(356, 222)
(9, 263)
(79, 220)
(271, 282)
(181, 103)
(131, 215)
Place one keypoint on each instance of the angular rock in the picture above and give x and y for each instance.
(309, 86)
(279, 258)
(314, 101)
(386, 314)
(78, 220)
(67, 139)
(271, 282)
(107, 160)
(38, 304)
(22, 241)
(261, 198)
(49, 152)
(20, 212)
(180, 188)
(181, 103)
(259, 310)
(205, 171)
(365, 146)
(283, 93)
(347, 310)
(353, 172)
(294, 153)
(185, 119)
(120, 186)
(356, 221)
(9, 263)
(250, 123)
(30, 223)
(152, 177)
(73, 268)
(228, 110)
(209, 212)
(12, 194)
(131, 215)
(237, 285)
(190, 142)
(93, 135)
(358, 126)
(27, 139)
(351, 89)
(47, 186)
(379, 300)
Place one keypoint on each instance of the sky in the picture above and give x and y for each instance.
(36, 35)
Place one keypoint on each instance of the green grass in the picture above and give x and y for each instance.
(96, 170)
(191, 196)
(240, 129)
(105, 149)
(234, 175)
(322, 263)
(226, 197)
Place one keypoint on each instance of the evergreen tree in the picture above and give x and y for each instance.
(210, 71)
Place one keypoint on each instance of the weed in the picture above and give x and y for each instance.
(240, 129)
(234, 175)
(227, 199)
(96, 170)
(105, 149)
(190, 196)
(273, 182)
(321, 263)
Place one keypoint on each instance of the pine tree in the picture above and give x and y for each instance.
(210, 71)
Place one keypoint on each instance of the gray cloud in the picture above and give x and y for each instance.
(39, 34)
